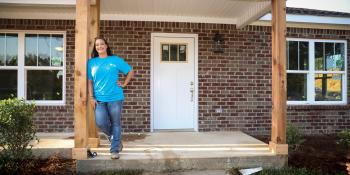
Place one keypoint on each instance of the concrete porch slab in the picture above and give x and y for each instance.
(181, 151)
(49, 144)
(168, 152)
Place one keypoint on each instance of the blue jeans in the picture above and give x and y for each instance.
(108, 116)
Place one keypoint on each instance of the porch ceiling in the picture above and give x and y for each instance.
(239, 12)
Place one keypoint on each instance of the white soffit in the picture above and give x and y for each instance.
(38, 2)
(204, 11)
(311, 19)
(240, 12)
(37, 12)
(42, 2)
(253, 13)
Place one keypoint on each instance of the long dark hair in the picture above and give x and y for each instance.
(94, 52)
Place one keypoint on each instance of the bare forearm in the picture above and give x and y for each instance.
(128, 78)
(90, 88)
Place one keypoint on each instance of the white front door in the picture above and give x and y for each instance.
(173, 83)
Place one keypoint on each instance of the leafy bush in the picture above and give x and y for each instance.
(344, 138)
(294, 137)
(16, 131)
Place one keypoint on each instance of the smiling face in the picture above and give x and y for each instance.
(101, 47)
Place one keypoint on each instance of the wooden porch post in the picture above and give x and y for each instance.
(93, 140)
(279, 104)
(82, 27)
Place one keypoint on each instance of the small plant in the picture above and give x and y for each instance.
(344, 138)
(16, 131)
(294, 137)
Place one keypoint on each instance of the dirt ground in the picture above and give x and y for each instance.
(319, 153)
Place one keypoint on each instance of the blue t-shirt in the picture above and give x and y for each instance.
(103, 72)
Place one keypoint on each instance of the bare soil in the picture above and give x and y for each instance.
(319, 153)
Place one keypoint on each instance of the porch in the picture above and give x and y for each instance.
(87, 28)
(169, 151)
(240, 13)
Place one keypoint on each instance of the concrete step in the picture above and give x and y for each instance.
(163, 158)
(173, 153)
(180, 152)
(205, 172)
(175, 164)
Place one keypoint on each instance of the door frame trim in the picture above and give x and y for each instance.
(175, 35)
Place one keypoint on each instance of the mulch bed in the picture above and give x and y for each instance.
(320, 153)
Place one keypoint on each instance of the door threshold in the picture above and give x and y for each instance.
(174, 130)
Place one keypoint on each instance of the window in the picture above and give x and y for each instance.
(32, 66)
(174, 52)
(8, 64)
(316, 71)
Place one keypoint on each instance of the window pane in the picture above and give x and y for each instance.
(329, 52)
(182, 52)
(57, 50)
(52, 90)
(339, 56)
(11, 49)
(319, 58)
(173, 52)
(8, 84)
(303, 56)
(2, 49)
(31, 50)
(165, 52)
(328, 87)
(297, 87)
(44, 50)
(293, 55)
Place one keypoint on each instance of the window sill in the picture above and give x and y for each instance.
(319, 107)
(48, 103)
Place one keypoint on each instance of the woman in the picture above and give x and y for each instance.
(106, 92)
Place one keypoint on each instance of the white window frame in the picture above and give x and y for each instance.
(311, 74)
(22, 69)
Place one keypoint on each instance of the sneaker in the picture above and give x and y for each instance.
(114, 155)
(91, 154)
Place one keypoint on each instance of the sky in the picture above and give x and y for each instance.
(330, 5)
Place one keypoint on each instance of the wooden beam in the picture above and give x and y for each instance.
(82, 35)
(281, 149)
(279, 95)
(93, 140)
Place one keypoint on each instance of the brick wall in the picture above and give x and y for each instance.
(237, 81)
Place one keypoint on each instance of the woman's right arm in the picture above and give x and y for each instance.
(91, 95)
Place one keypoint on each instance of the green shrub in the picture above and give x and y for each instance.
(344, 138)
(294, 137)
(16, 131)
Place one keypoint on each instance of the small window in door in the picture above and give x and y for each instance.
(174, 52)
